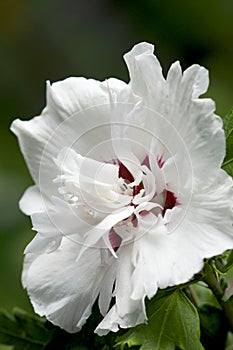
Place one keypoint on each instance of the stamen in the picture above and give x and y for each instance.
(123, 187)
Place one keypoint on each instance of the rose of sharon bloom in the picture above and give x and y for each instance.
(129, 196)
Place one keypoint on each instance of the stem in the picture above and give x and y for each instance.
(211, 280)
(193, 295)
(227, 162)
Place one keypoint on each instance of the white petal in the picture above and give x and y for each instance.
(127, 130)
(127, 140)
(94, 183)
(32, 136)
(106, 291)
(213, 205)
(156, 170)
(180, 121)
(126, 312)
(61, 218)
(70, 113)
(198, 241)
(103, 228)
(202, 82)
(195, 122)
(74, 94)
(145, 71)
(149, 185)
(40, 243)
(31, 201)
(152, 266)
(163, 260)
(59, 288)
(77, 93)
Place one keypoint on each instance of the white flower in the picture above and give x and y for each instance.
(129, 196)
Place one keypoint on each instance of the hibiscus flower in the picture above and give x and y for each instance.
(129, 194)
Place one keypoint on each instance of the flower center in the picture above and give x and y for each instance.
(167, 199)
(128, 178)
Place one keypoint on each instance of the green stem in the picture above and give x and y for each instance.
(193, 296)
(227, 162)
(211, 280)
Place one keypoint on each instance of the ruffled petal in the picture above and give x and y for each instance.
(86, 126)
(172, 108)
(73, 94)
(145, 72)
(57, 287)
(194, 120)
(162, 260)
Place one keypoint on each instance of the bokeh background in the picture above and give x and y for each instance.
(51, 39)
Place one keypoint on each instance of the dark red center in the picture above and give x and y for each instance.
(128, 177)
(124, 173)
(170, 201)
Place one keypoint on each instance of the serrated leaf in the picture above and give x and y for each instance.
(228, 128)
(23, 331)
(173, 322)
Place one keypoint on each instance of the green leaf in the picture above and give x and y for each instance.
(228, 128)
(173, 323)
(23, 331)
(205, 295)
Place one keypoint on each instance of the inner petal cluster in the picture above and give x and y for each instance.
(113, 199)
(168, 200)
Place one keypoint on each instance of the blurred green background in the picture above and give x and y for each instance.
(53, 39)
